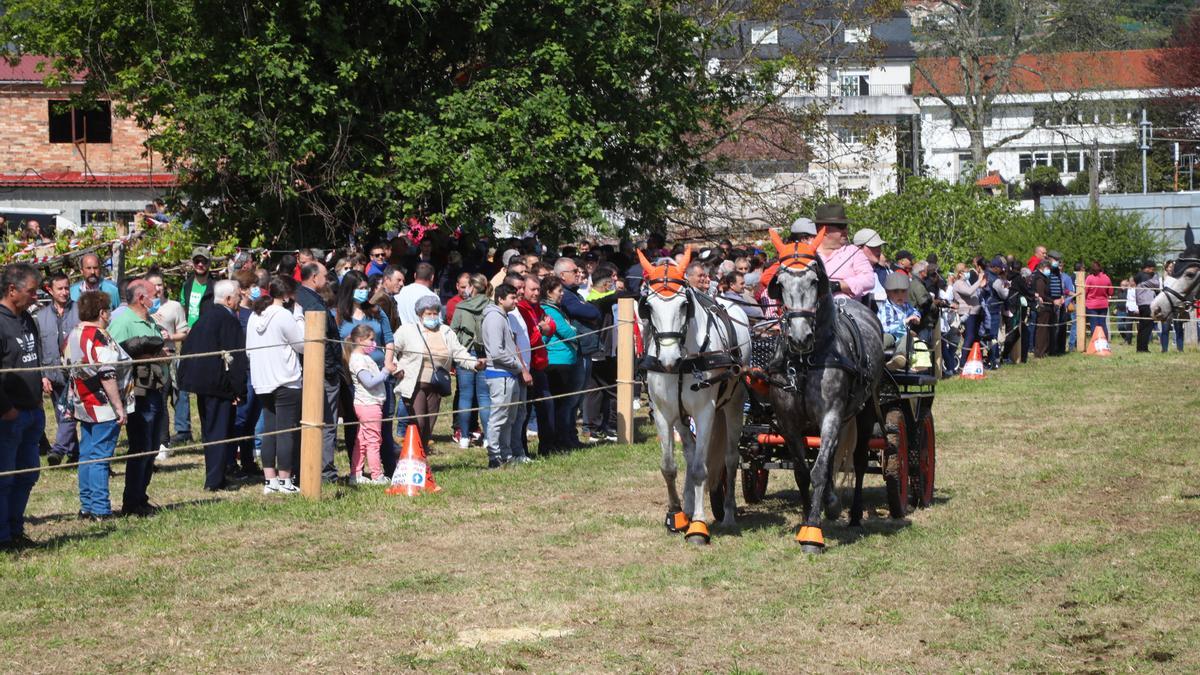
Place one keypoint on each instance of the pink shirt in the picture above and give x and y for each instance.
(1098, 291)
(850, 266)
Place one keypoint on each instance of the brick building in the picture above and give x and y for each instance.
(90, 165)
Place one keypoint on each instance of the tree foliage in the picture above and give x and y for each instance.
(1118, 240)
(305, 118)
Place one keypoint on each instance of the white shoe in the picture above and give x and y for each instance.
(270, 486)
(464, 442)
(637, 404)
(287, 487)
(382, 480)
(362, 480)
(163, 453)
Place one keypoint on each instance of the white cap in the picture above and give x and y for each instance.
(868, 237)
(804, 225)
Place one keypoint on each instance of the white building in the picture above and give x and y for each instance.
(1055, 108)
(862, 94)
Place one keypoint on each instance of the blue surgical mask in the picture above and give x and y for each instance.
(154, 306)
(432, 322)
(360, 295)
(255, 293)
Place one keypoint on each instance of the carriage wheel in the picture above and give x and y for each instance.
(716, 497)
(895, 462)
(754, 484)
(924, 463)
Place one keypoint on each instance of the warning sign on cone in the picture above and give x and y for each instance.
(412, 475)
(973, 368)
(1099, 343)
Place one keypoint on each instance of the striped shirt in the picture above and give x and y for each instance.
(894, 317)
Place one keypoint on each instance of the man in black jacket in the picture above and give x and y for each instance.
(22, 421)
(312, 279)
(219, 381)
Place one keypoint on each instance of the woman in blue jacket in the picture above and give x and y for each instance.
(563, 354)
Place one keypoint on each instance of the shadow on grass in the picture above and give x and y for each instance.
(775, 511)
(103, 529)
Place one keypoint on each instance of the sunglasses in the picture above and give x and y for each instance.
(377, 255)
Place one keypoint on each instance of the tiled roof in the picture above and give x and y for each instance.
(991, 180)
(30, 69)
(1039, 73)
(79, 179)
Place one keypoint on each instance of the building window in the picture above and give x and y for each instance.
(764, 35)
(1028, 160)
(856, 35)
(74, 125)
(1074, 162)
(848, 135)
(1108, 160)
(855, 85)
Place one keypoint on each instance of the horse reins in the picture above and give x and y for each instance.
(1174, 295)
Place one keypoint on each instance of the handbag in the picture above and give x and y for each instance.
(441, 377)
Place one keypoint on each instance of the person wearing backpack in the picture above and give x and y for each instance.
(472, 385)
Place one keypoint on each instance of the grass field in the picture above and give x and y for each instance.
(1064, 539)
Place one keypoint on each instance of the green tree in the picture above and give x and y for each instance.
(302, 119)
(1119, 240)
(1041, 181)
(936, 216)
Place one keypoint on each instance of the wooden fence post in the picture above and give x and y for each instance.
(312, 402)
(625, 354)
(1081, 337)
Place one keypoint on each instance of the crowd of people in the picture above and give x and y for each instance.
(516, 340)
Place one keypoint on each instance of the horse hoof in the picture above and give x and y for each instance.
(697, 533)
(810, 537)
(810, 549)
(677, 521)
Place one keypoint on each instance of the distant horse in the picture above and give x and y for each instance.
(696, 349)
(827, 372)
(1179, 289)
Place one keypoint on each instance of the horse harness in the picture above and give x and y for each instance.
(726, 359)
(1173, 295)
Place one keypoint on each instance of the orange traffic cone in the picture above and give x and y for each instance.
(1099, 344)
(412, 475)
(973, 368)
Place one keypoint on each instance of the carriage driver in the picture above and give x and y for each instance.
(897, 317)
(850, 272)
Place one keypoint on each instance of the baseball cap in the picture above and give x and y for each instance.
(868, 237)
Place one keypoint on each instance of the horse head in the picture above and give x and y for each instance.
(1181, 285)
(666, 306)
(803, 288)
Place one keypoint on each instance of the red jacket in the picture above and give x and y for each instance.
(450, 305)
(533, 315)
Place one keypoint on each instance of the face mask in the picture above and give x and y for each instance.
(360, 295)
(342, 275)
(154, 306)
(1054, 265)
(255, 293)
(432, 322)
(1046, 272)
(369, 347)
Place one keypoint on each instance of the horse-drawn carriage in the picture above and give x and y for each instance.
(903, 448)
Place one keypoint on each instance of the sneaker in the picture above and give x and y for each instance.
(530, 433)
(181, 439)
(270, 486)
(610, 437)
(141, 510)
(163, 453)
(637, 404)
(382, 480)
(457, 436)
(476, 436)
(287, 487)
(362, 480)
(464, 442)
(523, 459)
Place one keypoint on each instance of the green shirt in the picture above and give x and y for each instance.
(129, 325)
(193, 302)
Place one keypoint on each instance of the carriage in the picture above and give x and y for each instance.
(904, 450)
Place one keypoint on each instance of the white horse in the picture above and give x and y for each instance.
(696, 348)
(1180, 288)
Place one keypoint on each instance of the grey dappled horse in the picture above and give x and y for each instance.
(832, 362)
(1179, 289)
(694, 358)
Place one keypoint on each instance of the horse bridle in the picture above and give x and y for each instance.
(808, 259)
(681, 291)
(1174, 295)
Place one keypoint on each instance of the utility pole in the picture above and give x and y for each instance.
(1094, 177)
(1145, 127)
(1177, 166)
